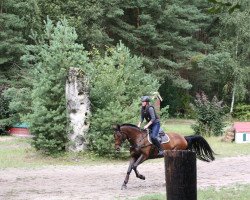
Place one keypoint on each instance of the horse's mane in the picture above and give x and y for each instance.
(131, 125)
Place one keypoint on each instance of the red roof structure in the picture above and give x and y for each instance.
(242, 127)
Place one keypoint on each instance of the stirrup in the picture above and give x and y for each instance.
(160, 153)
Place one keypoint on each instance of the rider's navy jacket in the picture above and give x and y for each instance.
(148, 113)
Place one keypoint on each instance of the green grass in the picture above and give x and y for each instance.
(18, 153)
(228, 149)
(178, 126)
(237, 192)
(223, 149)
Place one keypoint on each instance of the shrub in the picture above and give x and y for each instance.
(209, 116)
(117, 83)
(242, 112)
(164, 112)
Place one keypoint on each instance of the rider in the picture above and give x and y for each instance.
(148, 113)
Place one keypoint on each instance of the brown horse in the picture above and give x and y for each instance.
(141, 149)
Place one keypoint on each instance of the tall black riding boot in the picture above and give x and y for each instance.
(158, 146)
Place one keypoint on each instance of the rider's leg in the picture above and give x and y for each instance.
(158, 146)
(154, 137)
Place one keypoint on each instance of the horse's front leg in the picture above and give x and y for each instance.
(131, 163)
(141, 159)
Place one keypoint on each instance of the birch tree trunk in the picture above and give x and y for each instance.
(235, 82)
(78, 108)
(233, 98)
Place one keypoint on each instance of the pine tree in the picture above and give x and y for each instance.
(225, 69)
(51, 58)
(17, 18)
(117, 83)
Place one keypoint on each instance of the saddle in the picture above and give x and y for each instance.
(163, 137)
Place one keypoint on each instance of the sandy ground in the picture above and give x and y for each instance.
(104, 181)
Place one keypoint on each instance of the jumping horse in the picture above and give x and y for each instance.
(141, 149)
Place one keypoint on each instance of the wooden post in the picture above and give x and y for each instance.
(181, 175)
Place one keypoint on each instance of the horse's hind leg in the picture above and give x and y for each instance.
(131, 163)
(138, 162)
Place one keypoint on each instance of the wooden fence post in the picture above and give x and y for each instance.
(181, 175)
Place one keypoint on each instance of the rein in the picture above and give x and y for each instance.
(137, 145)
(142, 146)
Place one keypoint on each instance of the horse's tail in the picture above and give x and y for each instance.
(201, 147)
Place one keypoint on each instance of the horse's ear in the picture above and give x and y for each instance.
(116, 127)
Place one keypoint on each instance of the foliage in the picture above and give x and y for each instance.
(17, 18)
(242, 112)
(4, 113)
(176, 42)
(164, 113)
(177, 99)
(219, 6)
(117, 84)
(50, 60)
(209, 116)
(160, 31)
(235, 37)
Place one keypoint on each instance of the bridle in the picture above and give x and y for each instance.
(135, 146)
(120, 134)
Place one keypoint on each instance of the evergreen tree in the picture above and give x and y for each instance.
(51, 58)
(224, 71)
(162, 32)
(117, 83)
(17, 18)
(86, 16)
(235, 35)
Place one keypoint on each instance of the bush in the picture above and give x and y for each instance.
(209, 116)
(117, 83)
(164, 113)
(242, 112)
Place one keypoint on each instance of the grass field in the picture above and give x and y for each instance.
(179, 126)
(238, 192)
(17, 152)
(223, 149)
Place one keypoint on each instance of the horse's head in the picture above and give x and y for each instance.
(119, 136)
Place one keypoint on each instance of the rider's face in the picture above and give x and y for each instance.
(144, 103)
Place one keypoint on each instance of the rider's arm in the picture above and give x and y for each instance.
(153, 117)
(142, 119)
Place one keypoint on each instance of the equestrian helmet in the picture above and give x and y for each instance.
(145, 99)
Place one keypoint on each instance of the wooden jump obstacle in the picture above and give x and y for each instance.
(181, 175)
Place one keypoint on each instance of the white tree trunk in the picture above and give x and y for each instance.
(235, 82)
(78, 108)
(233, 99)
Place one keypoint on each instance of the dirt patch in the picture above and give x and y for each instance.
(104, 181)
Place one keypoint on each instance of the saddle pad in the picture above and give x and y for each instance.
(162, 139)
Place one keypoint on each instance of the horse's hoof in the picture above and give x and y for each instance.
(142, 177)
(124, 187)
